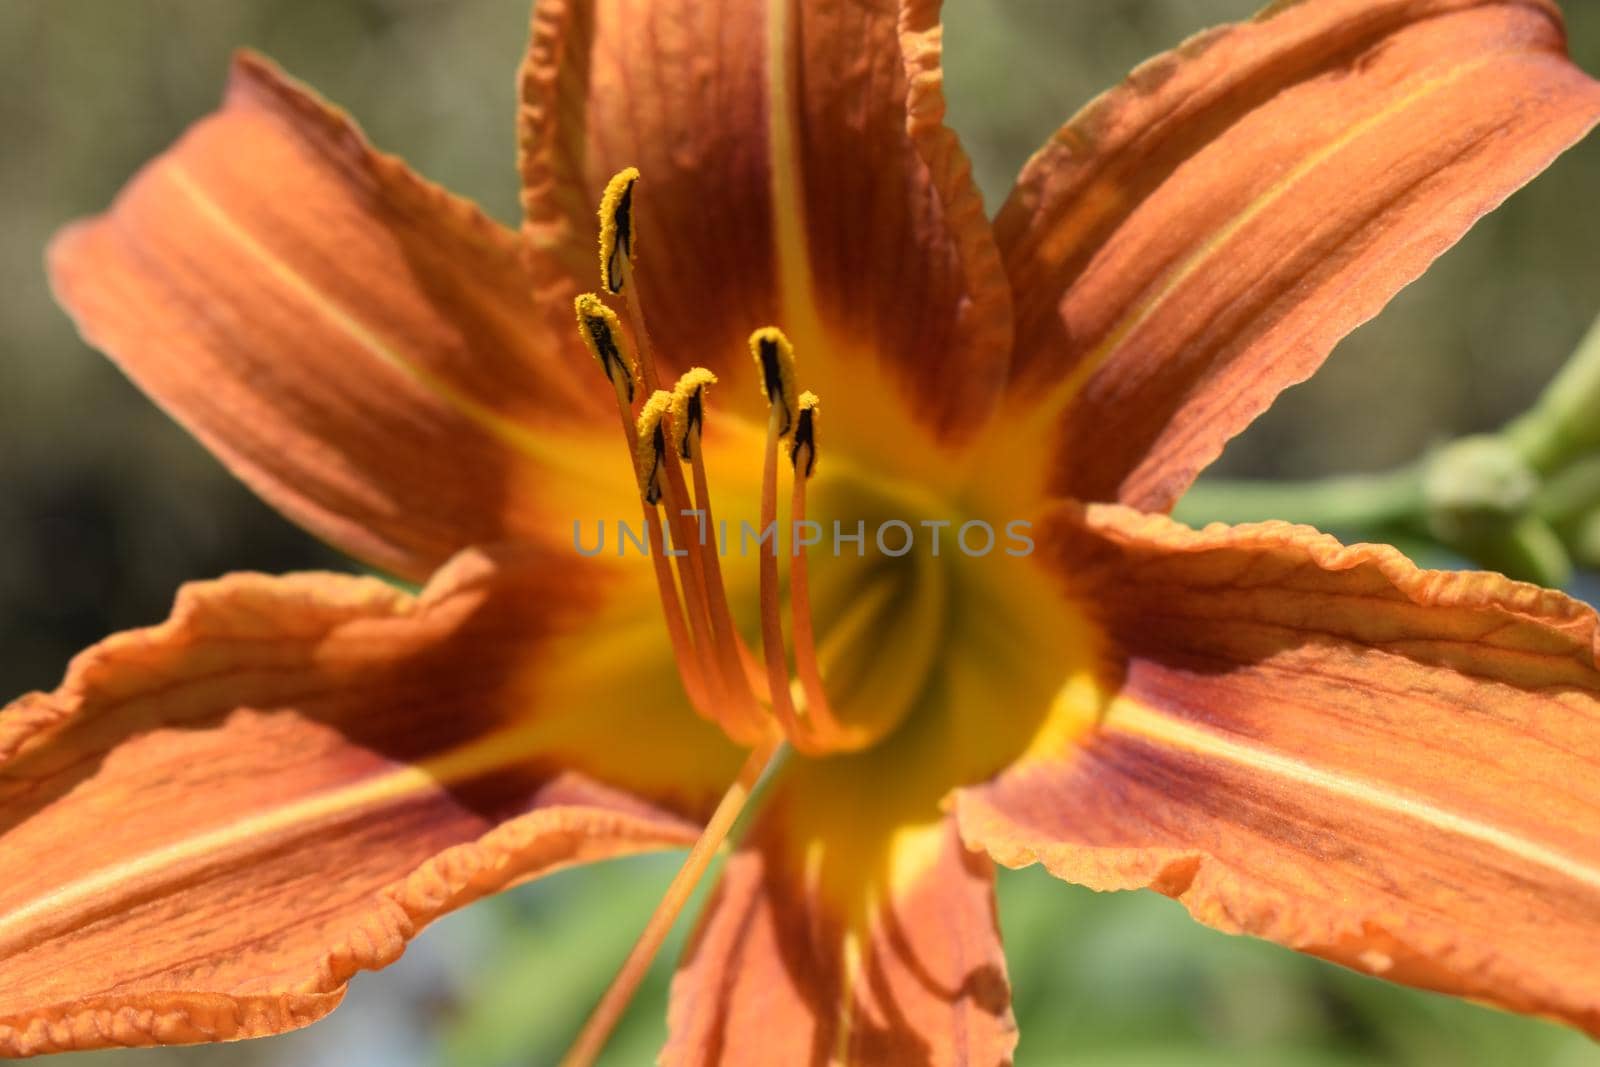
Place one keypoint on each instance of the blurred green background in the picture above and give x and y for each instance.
(105, 507)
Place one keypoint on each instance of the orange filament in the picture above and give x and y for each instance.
(771, 614)
(755, 680)
(691, 671)
(738, 665)
(708, 635)
(822, 729)
(591, 1040)
(656, 464)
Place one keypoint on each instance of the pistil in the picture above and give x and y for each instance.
(614, 1003)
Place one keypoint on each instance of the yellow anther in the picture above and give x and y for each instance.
(616, 228)
(775, 358)
(688, 410)
(803, 445)
(602, 332)
(651, 442)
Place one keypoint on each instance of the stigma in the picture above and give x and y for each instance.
(754, 700)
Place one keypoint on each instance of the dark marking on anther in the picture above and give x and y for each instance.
(652, 492)
(622, 245)
(805, 440)
(772, 382)
(610, 356)
(693, 420)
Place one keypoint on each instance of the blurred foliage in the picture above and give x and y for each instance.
(105, 506)
(1524, 501)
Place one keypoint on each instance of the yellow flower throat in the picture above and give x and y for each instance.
(879, 627)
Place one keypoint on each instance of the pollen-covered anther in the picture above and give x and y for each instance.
(803, 443)
(688, 411)
(774, 356)
(616, 229)
(651, 438)
(601, 331)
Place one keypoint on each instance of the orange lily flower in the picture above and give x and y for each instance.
(214, 823)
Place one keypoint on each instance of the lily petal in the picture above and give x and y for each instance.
(797, 171)
(214, 823)
(376, 358)
(793, 965)
(1199, 238)
(1395, 769)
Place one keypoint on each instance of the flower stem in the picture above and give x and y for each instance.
(1562, 425)
(592, 1039)
(1361, 501)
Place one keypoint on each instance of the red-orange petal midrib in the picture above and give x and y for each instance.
(178, 904)
(749, 123)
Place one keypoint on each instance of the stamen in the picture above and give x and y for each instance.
(775, 357)
(616, 229)
(591, 1040)
(821, 727)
